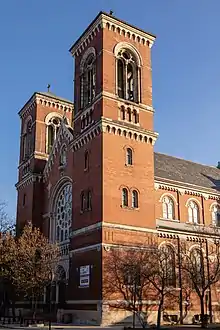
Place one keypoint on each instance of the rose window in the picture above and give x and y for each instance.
(63, 213)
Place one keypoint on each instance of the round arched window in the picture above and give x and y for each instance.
(63, 213)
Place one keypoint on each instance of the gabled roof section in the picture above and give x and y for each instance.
(187, 172)
(63, 132)
(100, 20)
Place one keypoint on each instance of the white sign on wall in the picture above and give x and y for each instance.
(84, 270)
(84, 281)
(84, 276)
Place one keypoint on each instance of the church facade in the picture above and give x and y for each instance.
(88, 175)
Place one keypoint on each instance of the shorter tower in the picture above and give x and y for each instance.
(40, 121)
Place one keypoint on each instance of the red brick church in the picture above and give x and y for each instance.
(88, 175)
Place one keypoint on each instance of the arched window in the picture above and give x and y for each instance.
(124, 197)
(86, 160)
(52, 131)
(135, 117)
(121, 84)
(83, 201)
(127, 75)
(135, 199)
(196, 264)
(167, 262)
(27, 140)
(168, 208)
(129, 158)
(88, 80)
(215, 215)
(193, 212)
(63, 213)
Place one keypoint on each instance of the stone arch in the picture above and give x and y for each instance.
(88, 52)
(134, 51)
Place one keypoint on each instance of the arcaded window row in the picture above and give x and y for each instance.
(168, 210)
(128, 72)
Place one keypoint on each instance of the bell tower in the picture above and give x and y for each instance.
(40, 119)
(113, 148)
(113, 98)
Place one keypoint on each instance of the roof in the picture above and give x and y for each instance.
(49, 94)
(185, 171)
(111, 16)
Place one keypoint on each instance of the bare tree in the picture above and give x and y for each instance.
(161, 275)
(125, 282)
(140, 274)
(202, 271)
(6, 223)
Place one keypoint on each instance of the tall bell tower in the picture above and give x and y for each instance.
(113, 98)
(40, 119)
(113, 174)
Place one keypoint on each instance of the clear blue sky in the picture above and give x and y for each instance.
(35, 36)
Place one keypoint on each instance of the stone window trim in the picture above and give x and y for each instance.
(27, 138)
(62, 213)
(127, 198)
(135, 199)
(24, 199)
(124, 198)
(127, 72)
(86, 160)
(215, 214)
(52, 128)
(126, 149)
(85, 201)
(87, 119)
(129, 114)
(168, 207)
(169, 265)
(87, 78)
(194, 208)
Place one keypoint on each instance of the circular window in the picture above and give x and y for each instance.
(63, 213)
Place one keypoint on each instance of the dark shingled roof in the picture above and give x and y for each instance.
(185, 171)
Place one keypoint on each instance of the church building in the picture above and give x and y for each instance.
(88, 175)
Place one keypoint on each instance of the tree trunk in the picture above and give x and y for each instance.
(203, 321)
(159, 312)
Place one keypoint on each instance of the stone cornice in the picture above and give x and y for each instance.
(117, 128)
(131, 132)
(102, 224)
(188, 232)
(186, 189)
(103, 21)
(46, 100)
(62, 133)
(28, 180)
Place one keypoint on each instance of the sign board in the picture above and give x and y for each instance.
(84, 270)
(84, 281)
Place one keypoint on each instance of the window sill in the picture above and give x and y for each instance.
(85, 211)
(172, 220)
(129, 165)
(195, 224)
(130, 208)
(127, 101)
